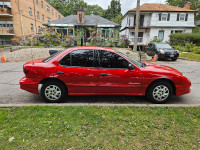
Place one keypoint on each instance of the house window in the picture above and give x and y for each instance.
(32, 27)
(164, 17)
(52, 12)
(49, 20)
(36, 1)
(48, 9)
(42, 4)
(39, 29)
(70, 32)
(30, 11)
(59, 16)
(182, 17)
(105, 33)
(161, 34)
(42, 17)
(38, 15)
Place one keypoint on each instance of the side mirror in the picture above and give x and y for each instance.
(131, 67)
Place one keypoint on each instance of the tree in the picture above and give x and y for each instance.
(195, 5)
(114, 11)
(94, 9)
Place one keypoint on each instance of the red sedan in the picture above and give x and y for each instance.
(101, 71)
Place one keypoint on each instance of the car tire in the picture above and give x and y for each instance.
(53, 92)
(174, 59)
(159, 92)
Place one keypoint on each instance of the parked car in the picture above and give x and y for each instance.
(101, 71)
(163, 50)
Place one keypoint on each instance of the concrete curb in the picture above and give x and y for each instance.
(188, 59)
(101, 105)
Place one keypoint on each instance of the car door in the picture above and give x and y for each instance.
(115, 77)
(78, 71)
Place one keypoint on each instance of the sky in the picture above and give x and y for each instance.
(126, 4)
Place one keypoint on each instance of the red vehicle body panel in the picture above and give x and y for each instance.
(88, 81)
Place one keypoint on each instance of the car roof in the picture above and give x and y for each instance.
(91, 47)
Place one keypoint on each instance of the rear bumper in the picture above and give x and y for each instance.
(29, 85)
(182, 89)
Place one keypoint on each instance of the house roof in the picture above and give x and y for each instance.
(89, 20)
(152, 7)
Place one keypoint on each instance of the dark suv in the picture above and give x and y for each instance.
(163, 50)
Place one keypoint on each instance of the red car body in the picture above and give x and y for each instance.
(88, 81)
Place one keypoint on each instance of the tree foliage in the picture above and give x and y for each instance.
(70, 7)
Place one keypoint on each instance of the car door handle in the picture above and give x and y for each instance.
(104, 74)
(60, 72)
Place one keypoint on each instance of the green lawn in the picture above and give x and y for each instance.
(190, 56)
(50, 127)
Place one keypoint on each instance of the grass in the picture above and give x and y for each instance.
(190, 56)
(50, 127)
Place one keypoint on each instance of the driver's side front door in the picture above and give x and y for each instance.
(115, 77)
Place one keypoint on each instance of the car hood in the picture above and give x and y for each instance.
(160, 69)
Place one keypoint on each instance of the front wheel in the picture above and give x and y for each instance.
(174, 59)
(53, 92)
(159, 92)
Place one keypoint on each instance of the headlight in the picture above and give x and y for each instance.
(162, 51)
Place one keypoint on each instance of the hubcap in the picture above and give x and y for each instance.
(52, 92)
(160, 93)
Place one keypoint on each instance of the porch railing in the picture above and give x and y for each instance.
(6, 31)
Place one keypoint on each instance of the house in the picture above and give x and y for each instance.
(198, 24)
(19, 18)
(82, 24)
(157, 21)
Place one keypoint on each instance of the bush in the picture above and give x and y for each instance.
(183, 38)
(156, 40)
(189, 47)
(196, 49)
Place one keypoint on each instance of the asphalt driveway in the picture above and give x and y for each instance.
(10, 93)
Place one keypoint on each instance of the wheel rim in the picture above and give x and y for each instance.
(160, 93)
(52, 92)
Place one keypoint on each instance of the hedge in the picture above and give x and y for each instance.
(183, 38)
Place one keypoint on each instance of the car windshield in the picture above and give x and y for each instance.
(52, 56)
(163, 46)
(137, 63)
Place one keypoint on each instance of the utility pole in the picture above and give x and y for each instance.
(137, 25)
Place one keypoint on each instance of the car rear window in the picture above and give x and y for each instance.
(52, 56)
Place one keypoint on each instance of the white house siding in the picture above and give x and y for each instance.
(173, 20)
(167, 31)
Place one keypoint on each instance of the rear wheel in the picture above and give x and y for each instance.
(159, 92)
(53, 92)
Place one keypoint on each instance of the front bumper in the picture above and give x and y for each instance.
(29, 85)
(168, 55)
(182, 89)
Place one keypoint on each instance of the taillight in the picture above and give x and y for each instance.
(25, 70)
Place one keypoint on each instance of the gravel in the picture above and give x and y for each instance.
(28, 54)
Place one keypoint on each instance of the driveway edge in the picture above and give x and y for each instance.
(101, 105)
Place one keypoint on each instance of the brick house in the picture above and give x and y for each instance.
(20, 18)
(157, 21)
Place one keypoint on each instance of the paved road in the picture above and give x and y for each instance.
(10, 93)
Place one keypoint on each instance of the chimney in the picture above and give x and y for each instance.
(80, 16)
(187, 5)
